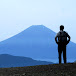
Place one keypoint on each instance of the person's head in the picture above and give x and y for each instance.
(61, 27)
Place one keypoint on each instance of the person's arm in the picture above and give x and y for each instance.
(68, 38)
(56, 39)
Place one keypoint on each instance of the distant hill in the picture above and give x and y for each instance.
(41, 70)
(18, 61)
(36, 42)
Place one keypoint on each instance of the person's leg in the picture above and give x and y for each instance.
(59, 52)
(64, 54)
(59, 57)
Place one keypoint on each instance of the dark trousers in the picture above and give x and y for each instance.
(62, 48)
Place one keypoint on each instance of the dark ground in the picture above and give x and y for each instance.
(68, 69)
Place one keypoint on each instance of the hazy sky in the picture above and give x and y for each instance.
(17, 15)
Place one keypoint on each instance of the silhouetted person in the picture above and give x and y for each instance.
(62, 39)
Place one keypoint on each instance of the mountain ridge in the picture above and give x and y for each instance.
(7, 60)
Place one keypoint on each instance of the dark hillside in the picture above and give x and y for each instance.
(41, 70)
(7, 60)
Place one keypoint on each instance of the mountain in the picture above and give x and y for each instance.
(7, 60)
(36, 42)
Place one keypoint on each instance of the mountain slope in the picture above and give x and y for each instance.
(19, 61)
(36, 42)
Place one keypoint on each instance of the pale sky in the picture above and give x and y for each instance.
(17, 15)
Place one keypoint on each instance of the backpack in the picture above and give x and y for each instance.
(62, 37)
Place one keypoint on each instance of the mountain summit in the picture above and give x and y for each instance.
(36, 42)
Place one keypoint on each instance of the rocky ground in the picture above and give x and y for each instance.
(68, 69)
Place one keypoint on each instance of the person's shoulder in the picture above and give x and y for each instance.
(65, 32)
(58, 33)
